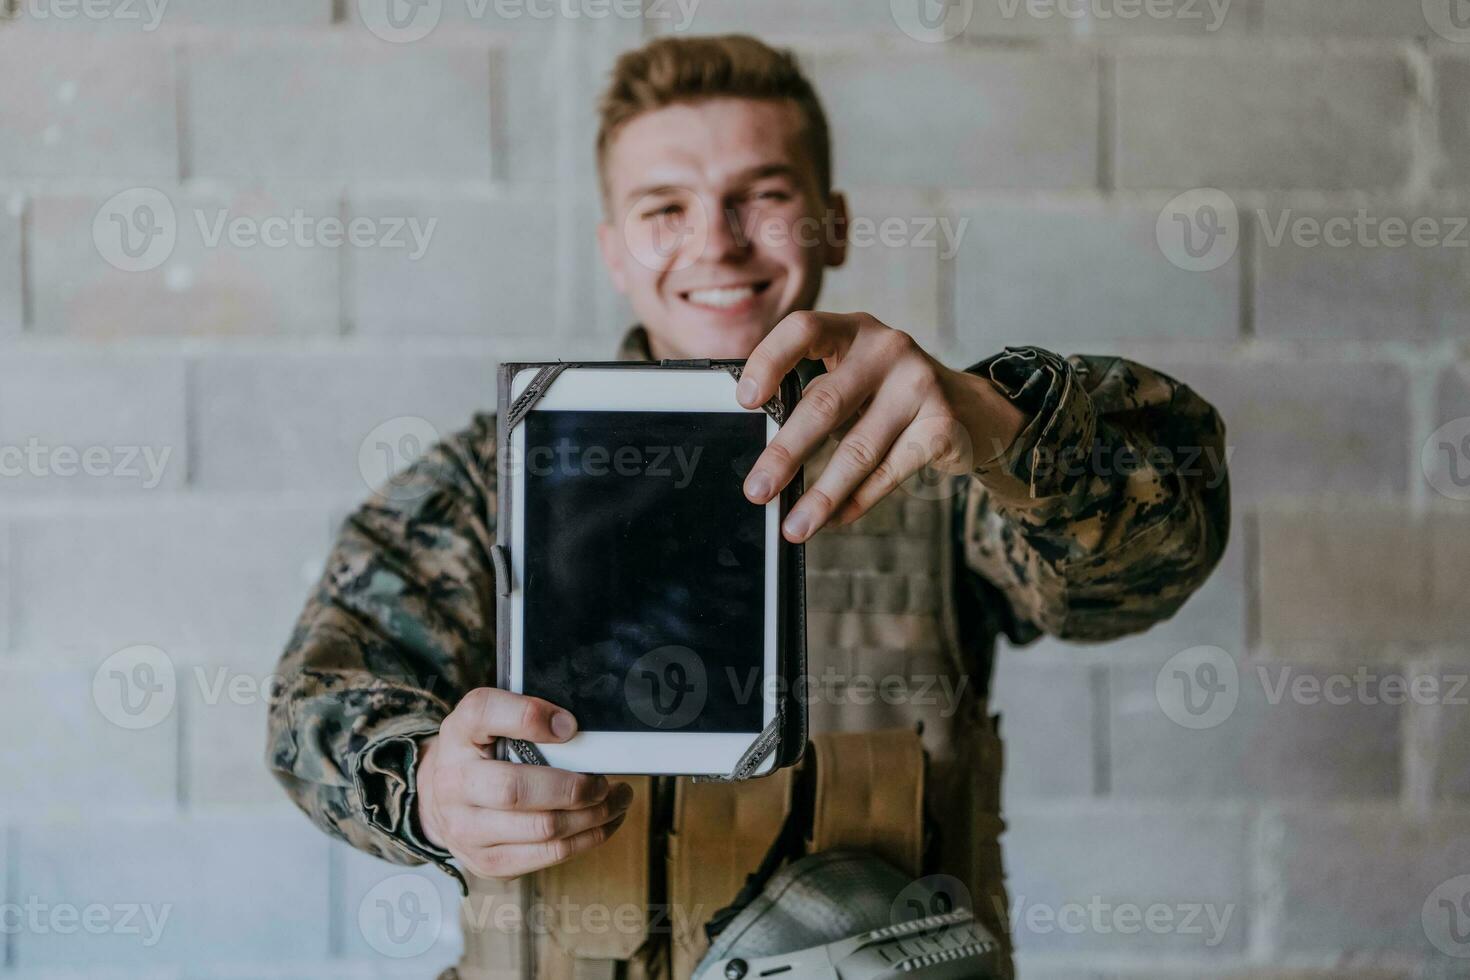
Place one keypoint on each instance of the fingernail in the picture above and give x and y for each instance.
(758, 487)
(599, 787)
(798, 523)
(745, 391)
(563, 725)
(622, 796)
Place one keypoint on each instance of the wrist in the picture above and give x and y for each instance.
(990, 419)
(424, 814)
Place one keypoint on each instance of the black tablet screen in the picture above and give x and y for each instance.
(645, 569)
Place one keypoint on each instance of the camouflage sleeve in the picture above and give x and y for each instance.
(1110, 508)
(399, 628)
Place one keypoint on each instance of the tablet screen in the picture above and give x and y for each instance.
(645, 569)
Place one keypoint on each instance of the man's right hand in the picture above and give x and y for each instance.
(502, 819)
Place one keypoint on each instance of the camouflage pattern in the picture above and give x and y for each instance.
(1105, 514)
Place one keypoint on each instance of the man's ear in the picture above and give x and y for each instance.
(610, 244)
(837, 235)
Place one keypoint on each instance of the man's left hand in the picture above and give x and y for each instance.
(895, 408)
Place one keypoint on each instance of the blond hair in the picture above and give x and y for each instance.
(670, 70)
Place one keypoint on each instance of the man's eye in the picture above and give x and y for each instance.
(773, 196)
(667, 211)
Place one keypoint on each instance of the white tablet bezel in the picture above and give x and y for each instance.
(637, 389)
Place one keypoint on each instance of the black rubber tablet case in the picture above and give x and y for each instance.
(787, 734)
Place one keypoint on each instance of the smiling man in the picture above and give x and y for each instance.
(1067, 509)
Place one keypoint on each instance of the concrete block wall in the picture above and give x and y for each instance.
(1267, 198)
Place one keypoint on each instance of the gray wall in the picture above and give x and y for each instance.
(1327, 817)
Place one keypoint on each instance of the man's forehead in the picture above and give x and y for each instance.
(710, 141)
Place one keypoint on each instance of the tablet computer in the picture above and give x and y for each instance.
(643, 592)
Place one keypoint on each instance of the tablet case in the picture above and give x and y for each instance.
(786, 736)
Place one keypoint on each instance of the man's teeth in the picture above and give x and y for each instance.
(721, 297)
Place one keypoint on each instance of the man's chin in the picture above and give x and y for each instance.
(717, 341)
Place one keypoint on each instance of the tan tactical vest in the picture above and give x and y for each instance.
(883, 655)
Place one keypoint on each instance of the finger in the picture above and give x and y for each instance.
(804, 333)
(924, 442)
(859, 453)
(487, 713)
(496, 785)
(510, 860)
(828, 402)
(473, 826)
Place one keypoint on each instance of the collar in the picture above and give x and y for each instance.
(634, 347)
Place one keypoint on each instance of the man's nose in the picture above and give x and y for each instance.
(726, 236)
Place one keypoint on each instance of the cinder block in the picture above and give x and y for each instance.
(1384, 272)
(989, 119)
(1047, 720)
(1215, 119)
(1083, 878)
(61, 756)
(1352, 879)
(234, 889)
(407, 913)
(1065, 278)
(185, 577)
(1452, 76)
(262, 13)
(467, 267)
(327, 106)
(224, 705)
(1357, 18)
(1304, 430)
(1445, 448)
(328, 423)
(12, 291)
(91, 423)
(86, 106)
(248, 262)
(1294, 732)
(517, 19)
(896, 244)
(899, 20)
(1443, 703)
(1356, 583)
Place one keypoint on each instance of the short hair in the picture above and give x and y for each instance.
(670, 70)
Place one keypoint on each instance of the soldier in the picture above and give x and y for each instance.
(1091, 500)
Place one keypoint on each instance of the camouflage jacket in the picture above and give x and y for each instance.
(1107, 511)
